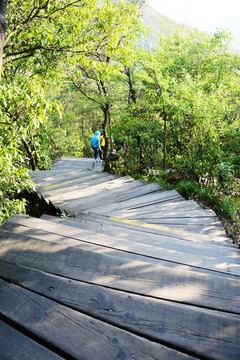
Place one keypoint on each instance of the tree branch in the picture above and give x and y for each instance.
(84, 93)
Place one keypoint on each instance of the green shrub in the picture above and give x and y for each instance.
(208, 195)
(188, 189)
(229, 207)
(9, 208)
(225, 177)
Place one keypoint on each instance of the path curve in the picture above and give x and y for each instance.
(133, 272)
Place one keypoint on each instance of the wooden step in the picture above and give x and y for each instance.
(156, 278)
(173, 324)
(109, 195)
(142, 201)
(219, 260)
(178, 233)
(76, 335)
(15, 345)
(139, 273)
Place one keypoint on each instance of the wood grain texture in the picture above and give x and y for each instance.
(194, 254)
(138, 273)
(158, 279)
(184, 327)
(14, 345)
(84, 337)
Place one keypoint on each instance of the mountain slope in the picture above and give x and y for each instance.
(160, 25)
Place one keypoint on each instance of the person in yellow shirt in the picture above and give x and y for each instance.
(102, 145)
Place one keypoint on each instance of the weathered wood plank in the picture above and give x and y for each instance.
(169, 208)
(221, 259)
(190, 329)
(76, 334)
(106, 195)
(195, 221)
(159, 279)
(63, 178)
(157, 210)
(191, 233)
(50, 175)
(86, 181)
(164, 230)
(71, 162)
(97, 193)
(104, 225)
(16, 346)
(65, 197)
(77, 183)
(148, 189)
(142, 201)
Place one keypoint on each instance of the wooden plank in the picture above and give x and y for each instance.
(106, 195)
(68, 162)
(162, 279)
(144, 200)
(222, 260)
(212, 232)
(95, 194)
(157, 210)
(65, 183)
(189, 329)
(62, 177)
(169, 209)
(50, 175)
(163, 230)
(118, 196)
(148, 189)
(92, 179)
(16, 346)
(103, 225)
(191, 233)
(139, 228)
(83, 182)
(64, 197)
(77, 335)
(199, 221)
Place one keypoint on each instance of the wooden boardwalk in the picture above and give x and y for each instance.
(137, 273)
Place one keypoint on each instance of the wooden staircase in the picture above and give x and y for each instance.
(134, 272)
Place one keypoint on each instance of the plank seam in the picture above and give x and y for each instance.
(38, 339)
(133, 252)
(125, 291)
(53, 348)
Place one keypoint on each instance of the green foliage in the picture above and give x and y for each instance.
(192, 83)
(137, 135)
(208, 196)
(12, 181)
(188, 189)
(176, 107)
(9, 208)
(41, 35)
(229, 207)
(225, 176)
(97, 75)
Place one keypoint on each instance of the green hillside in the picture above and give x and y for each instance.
(160, 25)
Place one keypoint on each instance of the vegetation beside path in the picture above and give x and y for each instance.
(71, 68)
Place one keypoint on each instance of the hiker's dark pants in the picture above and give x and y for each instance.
(96, 152)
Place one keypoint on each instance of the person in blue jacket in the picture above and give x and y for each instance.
(95, 144)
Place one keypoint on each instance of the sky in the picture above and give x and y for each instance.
(206, 15)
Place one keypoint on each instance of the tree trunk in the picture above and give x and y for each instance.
(30, 154)
(140, 155)
(105, 124)
(165, 142)
(193, 169)
(132, 91)
(3, 28)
